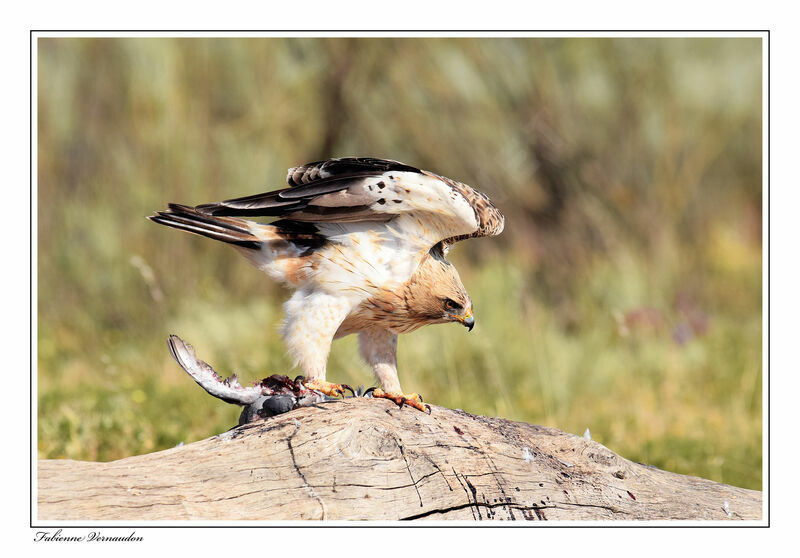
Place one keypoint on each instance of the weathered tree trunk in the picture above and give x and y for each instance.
(368, 459)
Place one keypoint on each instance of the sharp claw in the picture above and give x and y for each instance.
(352, 393)
(401, 400)
(300, 378)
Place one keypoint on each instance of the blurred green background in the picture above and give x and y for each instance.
(625, 295)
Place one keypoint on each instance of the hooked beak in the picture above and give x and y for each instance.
(468, 320)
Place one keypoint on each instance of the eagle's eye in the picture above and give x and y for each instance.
(451, 305)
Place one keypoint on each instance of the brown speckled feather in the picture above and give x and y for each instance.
(490, 220)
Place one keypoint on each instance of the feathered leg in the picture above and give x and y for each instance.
(311, 322)
(379, 349)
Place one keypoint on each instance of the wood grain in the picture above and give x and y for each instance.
(368, 459)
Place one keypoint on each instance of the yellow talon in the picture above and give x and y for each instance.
(328, 388)
(412, 400)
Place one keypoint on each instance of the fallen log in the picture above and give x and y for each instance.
(368, 459)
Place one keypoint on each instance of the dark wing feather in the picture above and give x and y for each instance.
(322, 186)
(307, 184)
(345, 167)
(225, 229)
(259, 205)
(366, 189)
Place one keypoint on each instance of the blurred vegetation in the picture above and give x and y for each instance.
(625, 295)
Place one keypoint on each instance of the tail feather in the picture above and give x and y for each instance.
(283, 249)
(225, 229)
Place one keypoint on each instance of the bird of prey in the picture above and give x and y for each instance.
(363, 244)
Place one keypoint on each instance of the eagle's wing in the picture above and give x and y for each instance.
(417, 202)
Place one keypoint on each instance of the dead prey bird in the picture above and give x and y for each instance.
(269, 397)
(363, 243)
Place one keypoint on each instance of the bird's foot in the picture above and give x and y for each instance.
(329, 389)
(412, 400)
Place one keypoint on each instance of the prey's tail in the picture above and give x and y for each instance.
(226, 229)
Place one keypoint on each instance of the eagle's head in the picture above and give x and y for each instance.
(436, 294)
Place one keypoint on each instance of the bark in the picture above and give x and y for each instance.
(369, 459)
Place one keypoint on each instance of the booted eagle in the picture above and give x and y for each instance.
(362, 242)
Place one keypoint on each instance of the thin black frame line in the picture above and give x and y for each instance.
(769, 274)
(30, 267)
(398, 31)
